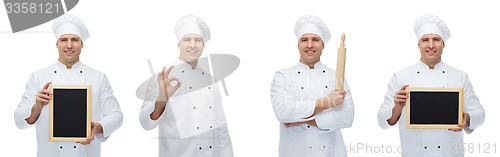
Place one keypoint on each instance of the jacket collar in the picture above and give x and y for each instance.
(440, 65)
(318, 65)
(74, 66)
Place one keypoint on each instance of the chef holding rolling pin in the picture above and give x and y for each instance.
(310, 111)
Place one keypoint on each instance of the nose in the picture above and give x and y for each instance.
(192, 44)
(431, 44)
(309, 44)
(69, 46)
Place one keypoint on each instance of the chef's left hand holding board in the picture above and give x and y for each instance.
(96, 128)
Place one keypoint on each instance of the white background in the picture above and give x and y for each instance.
(379, 41)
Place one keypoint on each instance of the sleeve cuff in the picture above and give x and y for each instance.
(383, 116)
(146, 121)
(476, 119)
(100, 137)
(21, 117)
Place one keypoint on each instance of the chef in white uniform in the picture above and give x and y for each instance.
(310, 111)
(70, 33)
(190, 115)
(430, 71)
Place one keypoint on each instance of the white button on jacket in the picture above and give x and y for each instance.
(105, 109)
(294, 91)
(193, 122)
(431, 142)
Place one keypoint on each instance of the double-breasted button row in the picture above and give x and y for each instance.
(201, 148)
(61, 147)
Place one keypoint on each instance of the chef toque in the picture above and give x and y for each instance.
(431, 24)
(70, 24)
(191, 24)
(312, 24)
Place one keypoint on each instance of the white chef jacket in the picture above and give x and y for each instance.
(294, 91)
(105, 109)
(431, 142)
(192, 124)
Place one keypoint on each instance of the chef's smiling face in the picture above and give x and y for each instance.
(431, 47)
(191, 47)
(69, 47)
(310, 48)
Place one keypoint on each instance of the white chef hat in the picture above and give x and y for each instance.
(191, 24)
(431, 24)
(312, 24)
(70, 24)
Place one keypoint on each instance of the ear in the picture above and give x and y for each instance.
(323, 45)
(444, 44)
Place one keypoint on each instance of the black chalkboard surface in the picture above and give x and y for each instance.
(434, 108)
(69, 113)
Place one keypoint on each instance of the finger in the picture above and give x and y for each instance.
(404, 87)
(168, 70)
(43, 96)
(169, 80)
(463, 124)
(400, 100)
(400, 97)
(43, 101)
(44, 91)
(47, 85)
(454, 130)
(162, 73)
(401, 92)
(173, 79)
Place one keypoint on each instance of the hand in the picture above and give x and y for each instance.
(166, 90)
(334, 100)
(310, 122)
(400, 97)
(95, 128)
(292, 124)
(43, 96)
(466, 123)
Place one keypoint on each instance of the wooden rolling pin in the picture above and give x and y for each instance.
(339, 80)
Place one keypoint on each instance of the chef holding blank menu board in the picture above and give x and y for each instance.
(432, 34)
(106, 117)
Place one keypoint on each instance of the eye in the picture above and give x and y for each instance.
(303, 40)
(198, 40)
(436, 39)
(74, 39)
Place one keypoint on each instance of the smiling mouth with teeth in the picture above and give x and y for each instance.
(69, 52)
